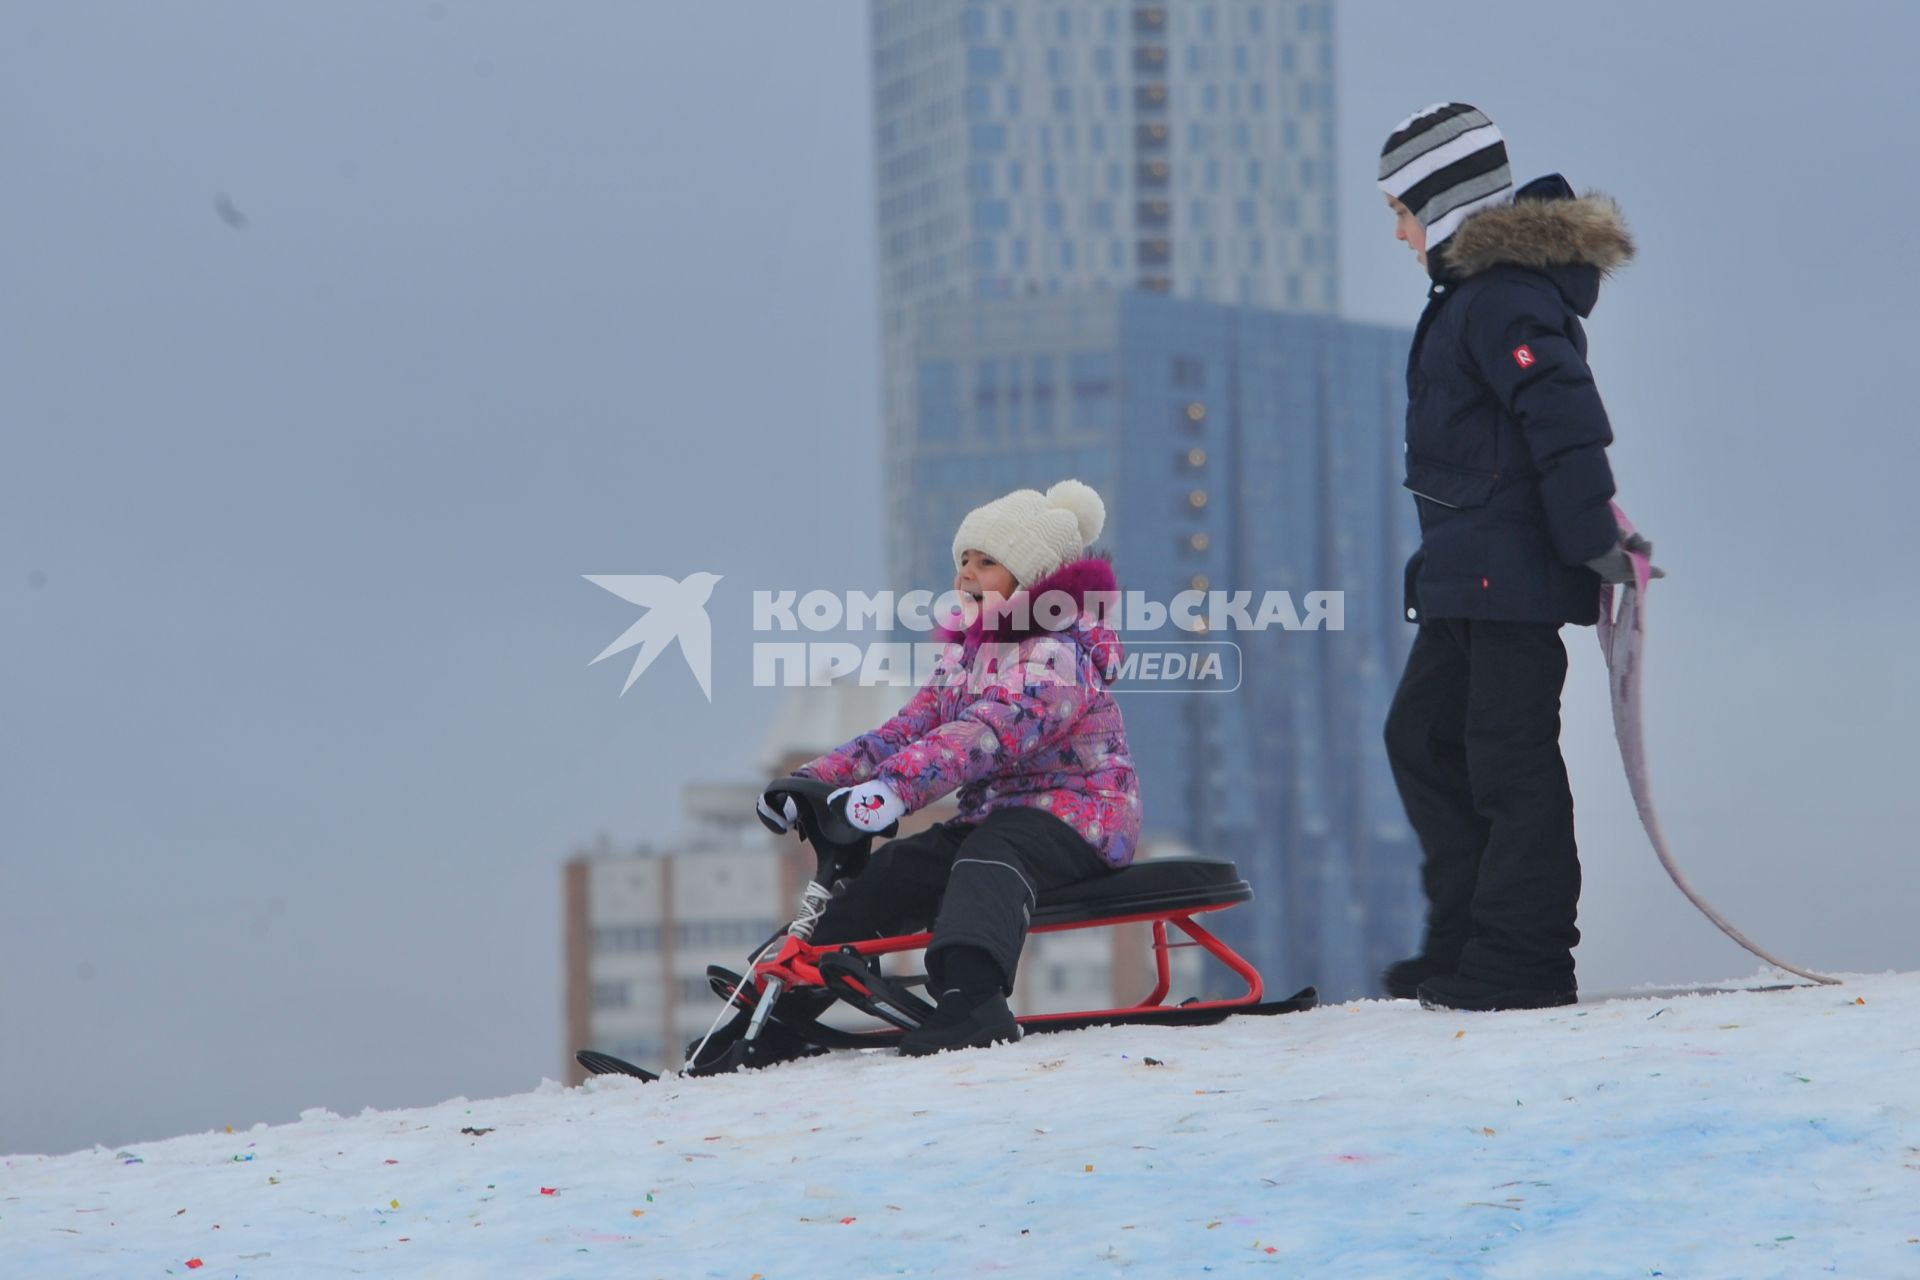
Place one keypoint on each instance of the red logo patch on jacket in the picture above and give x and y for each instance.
(1523, 356)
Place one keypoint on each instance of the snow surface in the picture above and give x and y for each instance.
(1751, 1134)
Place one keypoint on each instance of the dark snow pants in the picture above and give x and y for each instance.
(1474, 740)
(976, 883)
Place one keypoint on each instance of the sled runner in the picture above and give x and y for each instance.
(1167, 894)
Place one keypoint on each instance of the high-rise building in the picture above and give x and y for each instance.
(1041, 147)
(1107, 250)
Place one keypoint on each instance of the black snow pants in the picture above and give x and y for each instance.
(975, 883)
(1474, 740)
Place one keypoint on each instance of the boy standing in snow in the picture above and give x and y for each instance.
(1035, 745)
(1506, 455)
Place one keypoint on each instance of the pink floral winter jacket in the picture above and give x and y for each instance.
(1015, 715)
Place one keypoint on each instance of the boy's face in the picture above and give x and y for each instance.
(1407, 227)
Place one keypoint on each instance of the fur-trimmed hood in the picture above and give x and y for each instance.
(1078, 579)
(1577, 240)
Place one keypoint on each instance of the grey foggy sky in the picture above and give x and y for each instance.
(295, 718)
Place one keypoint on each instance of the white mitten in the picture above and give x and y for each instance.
(871, 806)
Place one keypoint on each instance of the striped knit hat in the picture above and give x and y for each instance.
(1446, 163)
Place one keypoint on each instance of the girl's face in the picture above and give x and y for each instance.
(980, 575)
(1407, 227)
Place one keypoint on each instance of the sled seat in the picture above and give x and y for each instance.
(1146, 888)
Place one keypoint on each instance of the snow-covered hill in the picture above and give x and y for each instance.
(1751, 1135)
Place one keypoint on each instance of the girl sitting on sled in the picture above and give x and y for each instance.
(1017, 717)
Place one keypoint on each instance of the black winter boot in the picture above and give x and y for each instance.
(1402, 978)
(1470, 994)
(962, 1022)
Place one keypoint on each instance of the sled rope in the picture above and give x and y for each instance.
(1621, 641)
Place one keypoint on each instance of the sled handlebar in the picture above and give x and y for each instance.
(840, 846)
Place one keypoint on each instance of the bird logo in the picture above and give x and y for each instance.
(674, 611)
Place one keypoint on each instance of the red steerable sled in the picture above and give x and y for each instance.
(1159, 892)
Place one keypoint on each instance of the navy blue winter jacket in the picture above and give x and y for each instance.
(1506, 435)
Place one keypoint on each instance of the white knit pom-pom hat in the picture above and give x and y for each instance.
(1033, 533)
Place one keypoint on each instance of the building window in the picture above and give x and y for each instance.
(984, 63)
(612, 995)
(940, 414)
(1043, 374)
(990, 138)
